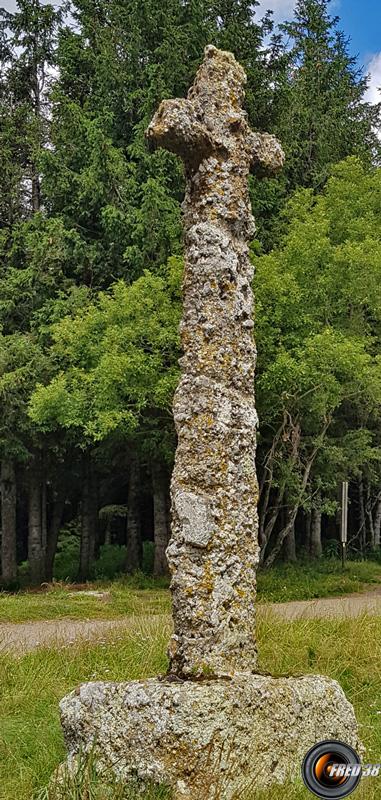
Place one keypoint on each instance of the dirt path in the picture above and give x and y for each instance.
(27, 636)
(23, 637)
(350, 605)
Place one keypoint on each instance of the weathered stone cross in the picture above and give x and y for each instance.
(213, 552)
(212, 738)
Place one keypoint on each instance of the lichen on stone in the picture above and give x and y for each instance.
(212, 728)
(214, 487)
(208, 738)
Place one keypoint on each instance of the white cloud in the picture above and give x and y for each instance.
(373, 94)
(281, 8)
(11, 5)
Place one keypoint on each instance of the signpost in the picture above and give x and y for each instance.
(344, 521)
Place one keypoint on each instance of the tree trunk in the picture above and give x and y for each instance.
(369, 513)
(36, 191)
(94, 543)
(36, 550)
(264, 532)
(281, 537)
(263, 506)
(44, 516)
(271, 524)
(36, 183)
(293, 513)
(108, 537)
(362, 532)
(307, 546)
(377, 524)
(133, 559)
(88, 520)
(316, 548)
(290, 547)
(160, 520)
(53, 532)
(8, 523)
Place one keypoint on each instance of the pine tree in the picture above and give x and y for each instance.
(115, 67)
(28, 56)
(27, 52)
(319, 111)
(326, 117)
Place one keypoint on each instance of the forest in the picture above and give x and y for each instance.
(90, 282)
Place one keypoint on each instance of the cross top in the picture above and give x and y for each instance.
(210, 132)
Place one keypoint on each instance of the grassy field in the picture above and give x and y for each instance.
(119, 599)
(31, 743)
(324, 578)
(140, 595)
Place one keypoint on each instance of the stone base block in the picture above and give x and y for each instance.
(210, 739)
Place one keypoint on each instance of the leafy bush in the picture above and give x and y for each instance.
(332, 548)
(148, 558)
(66, 563)
(111, 562)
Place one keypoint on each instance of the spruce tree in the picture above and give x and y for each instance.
(326, 117)
(319, 111)
(27, 53)
(115, 66)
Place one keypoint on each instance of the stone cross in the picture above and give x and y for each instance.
(236, 732)
(213, 552)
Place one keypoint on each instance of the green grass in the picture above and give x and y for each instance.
(323, 578)
(61, 602)
(85, 783)
(141, 596)
(31, 744)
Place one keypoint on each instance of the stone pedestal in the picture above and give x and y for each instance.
(207, 739)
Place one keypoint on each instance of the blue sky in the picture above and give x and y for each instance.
(360, 19)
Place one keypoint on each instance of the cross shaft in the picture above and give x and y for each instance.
(213, 552)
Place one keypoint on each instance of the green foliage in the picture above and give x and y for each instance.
(148, 557)
(321, 116)
(88, 217)
(326, 117)
(115, 361)
(318, 332)
(66, 562)
(324, 578)
(27, 55)
(108, 512)
(21, 361)
(111, 562)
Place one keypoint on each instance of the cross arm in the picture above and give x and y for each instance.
(267, 156)
(175, 127)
